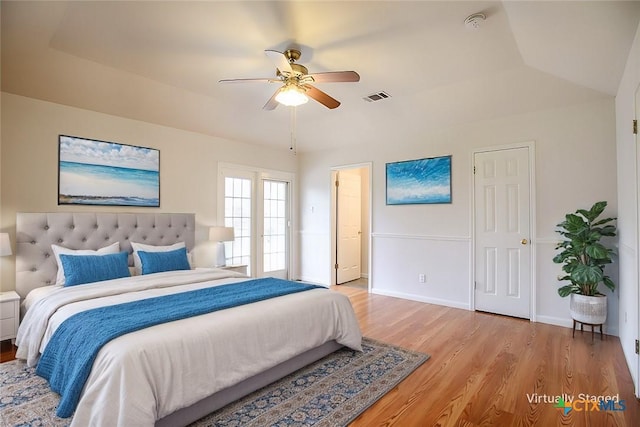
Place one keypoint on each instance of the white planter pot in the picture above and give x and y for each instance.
(585, 309)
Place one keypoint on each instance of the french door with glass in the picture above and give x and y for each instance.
(275, 229)
(257, 205)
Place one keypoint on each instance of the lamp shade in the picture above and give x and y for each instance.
(5, 244)
(221, 234)
(291, 96)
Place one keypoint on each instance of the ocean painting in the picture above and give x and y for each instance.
(94, 172)
(419, 181)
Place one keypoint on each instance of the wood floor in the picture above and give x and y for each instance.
(7, 351)
(483, 366)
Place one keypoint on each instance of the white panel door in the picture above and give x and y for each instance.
(502, 227)
(637, 117)
(348, 227)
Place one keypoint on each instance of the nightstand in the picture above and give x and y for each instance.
(240, 268)
(9, 315)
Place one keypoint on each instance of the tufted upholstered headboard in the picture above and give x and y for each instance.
(36, 232)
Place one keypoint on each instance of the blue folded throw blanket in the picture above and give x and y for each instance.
(68, 358)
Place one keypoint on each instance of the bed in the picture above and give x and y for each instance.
(172, 373)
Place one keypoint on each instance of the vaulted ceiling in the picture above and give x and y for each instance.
(160, 62)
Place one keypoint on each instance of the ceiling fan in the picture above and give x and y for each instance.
(296, 81)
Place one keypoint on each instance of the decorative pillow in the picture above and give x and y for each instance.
(82, 269)
(59, 250)
(155, 262)
(150, 248)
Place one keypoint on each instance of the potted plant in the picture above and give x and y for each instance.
(584, 259)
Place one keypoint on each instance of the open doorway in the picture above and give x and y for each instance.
(350, 225)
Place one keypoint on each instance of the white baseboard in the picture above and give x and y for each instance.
(558, 321)
(420, 298)
(568, 323)
(313, 280)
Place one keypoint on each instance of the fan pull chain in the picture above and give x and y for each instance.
(292, 146)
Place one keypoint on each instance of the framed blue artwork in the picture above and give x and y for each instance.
(419, 181)
(92, 172)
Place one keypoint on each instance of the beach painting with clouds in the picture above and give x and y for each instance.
(95, 172)
(419, 181)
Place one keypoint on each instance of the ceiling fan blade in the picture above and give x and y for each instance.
(321, 97)
(336, 77)
(272, 103)
(266, 79)
(279, 60)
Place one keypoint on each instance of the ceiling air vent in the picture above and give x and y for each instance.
(378, 96)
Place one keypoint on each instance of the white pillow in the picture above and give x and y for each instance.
(113, 248)
(137, 265)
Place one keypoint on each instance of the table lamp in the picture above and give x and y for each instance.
(221, 235)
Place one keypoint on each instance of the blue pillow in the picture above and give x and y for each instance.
(81, 269)
(156, 262)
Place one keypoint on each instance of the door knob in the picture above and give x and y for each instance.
(523, 241)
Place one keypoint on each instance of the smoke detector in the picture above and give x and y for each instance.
(473, 21)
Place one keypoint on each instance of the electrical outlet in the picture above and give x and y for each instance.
(422, 278)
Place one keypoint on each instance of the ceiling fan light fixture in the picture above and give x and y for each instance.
(291, 96)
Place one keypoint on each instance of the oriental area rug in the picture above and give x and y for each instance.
(330, 392)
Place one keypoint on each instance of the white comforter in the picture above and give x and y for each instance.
(145, 375)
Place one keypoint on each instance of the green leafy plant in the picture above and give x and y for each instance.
(583, 256)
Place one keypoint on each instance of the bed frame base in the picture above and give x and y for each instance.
(185, 416)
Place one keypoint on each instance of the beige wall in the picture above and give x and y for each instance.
(575, 166)
(188, 162)
(4, 261)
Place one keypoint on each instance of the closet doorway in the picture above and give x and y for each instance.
(350, 225)
(503, 224)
